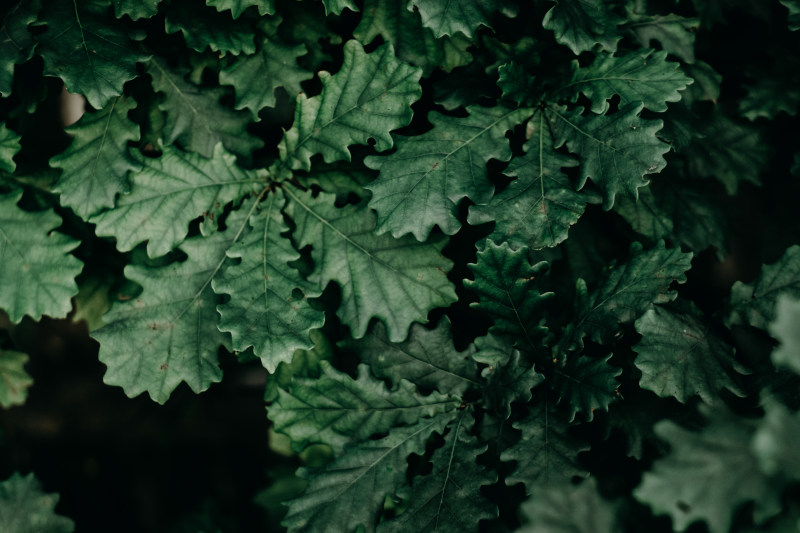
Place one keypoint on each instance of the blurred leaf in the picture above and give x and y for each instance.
(25, 508)
(14, 380)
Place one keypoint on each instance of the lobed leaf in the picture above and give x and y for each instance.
(509, 378)
(237, 7)
(568, 508)
(774, 442)
(675, 34)
(16, 42)
(785, 329)
(586, 384)
(447, 17)
(335, 7)
(580, 24)
(135, 9)
(203, 28)
(9, 147)
(25, 508)
(14, 380)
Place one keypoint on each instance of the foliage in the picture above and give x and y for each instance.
(465, 240)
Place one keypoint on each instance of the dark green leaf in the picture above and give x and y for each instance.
(768, 96)
(586, 384)
(335, 7)
(509, 378)
(786, 328)
(237, 7)
(203, 28)
(794, 13)
(568, 508)
(675, 34)
(135, 9)
(516, 84)
(446, 17)
(580, 24)
(9, 147)
(16, 42)
(14, 380)
(25, 508)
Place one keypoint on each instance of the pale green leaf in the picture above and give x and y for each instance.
(14, 380)
(88, 49)
(681, 355)
(370, 96)
(775, 442)
(586, 384)
(335, 7)
(616, 151)
(755, 304)
(237, 7)
(786, 328)
(195, 117)
(256, 77)
(537, 209)
(448, 17)
(16, 42)
(568, 508)
(335, 409)
(9, 146)
(38, 274)
(95, 166)
(25, 508)
(395, 280)
(421, 184)
(351, 490)
(266, 309)
(135, 9)
(642, 76)
(708, 474)
(449, 498)
(580, 24)
(204, 27)
(675, 34)
(426, 358)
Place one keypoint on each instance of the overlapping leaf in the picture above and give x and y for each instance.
(675, 34)
(16, 42)
(14, 380)
(510, 377)
(395, 280)
(135, 9)
(568, 508)
(203, 28)
(586, 384)
(168, 192)
(370, 96)
(95, 166)
(38, 274)
(446, 17)
(421, 184)
(580, 24)
(335, 7)
(9, 146)
(336, 409)
(359, 480)
(237, 7)
(786, 328)
(26, 508)
(616, 151)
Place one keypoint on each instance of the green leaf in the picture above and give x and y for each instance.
(675, 34)
(370, 96)
(775, 442)
(426, 358)
(539, 206)
(412, 42)
(395, 280)
(16, 42)
(516, 83)
(335, 409)
(586, 384)
(421, 184)
(305, 363)
(168, 334)
(510, 379)
(345, 182)
(580, 24)
(708, 474)
(203, 28)
(568, 508)
(335, 7)
(38, 274)
(449, 498)
(95, 166)
(786, 328)
(9, 147)
(755, 304)
(14, 380)
(616, 151)
(447, 17)
(264, 311)
(237, 7)
(644, 75)
(350, 491)
(794, 13)
(135, 9)
(25, 508)
(195, 117)
(168, 192)
(680, 355)
(88, 50)
(546, 455)
(505, 281)
(256, 77)
(767, 97)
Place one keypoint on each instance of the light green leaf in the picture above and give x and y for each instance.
(680, 355)
(135, 9)
(775, 442)
(755, 304)
(616, 151)
(426, 358)
(580, 24)
(370, 96)
(9, 146)
(421, 184)
(539, 206)
(395, 280)
(546, 455)
(335, 409)
(335, 7)
(786, 328)
(237, 7)
(266, 309)
(644, 75)
(350, 491)
(586, 384)
(449, 498)
(708, 474)
(675, 34)
(203, 28)
(567, 508)
(16, 42)
(170, 191)
(14, 380)
(90, 51)
(256, 77)
(168, 334)
(506, 283)
(195, 117)
(794, 13)
(38, 274)
(447, 17)
(95, 166)
(25, 508)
